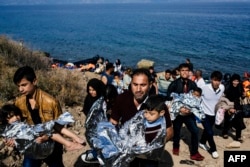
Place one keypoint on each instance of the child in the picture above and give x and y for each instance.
(190, 101)
(139, 136)
(11, 117)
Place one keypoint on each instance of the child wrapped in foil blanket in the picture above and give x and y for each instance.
(25, 135)
(187, 100)
(118, 147)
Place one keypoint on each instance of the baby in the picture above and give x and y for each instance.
(186, 101)
(24, 134)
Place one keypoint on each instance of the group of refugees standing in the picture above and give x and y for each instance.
(142, 91)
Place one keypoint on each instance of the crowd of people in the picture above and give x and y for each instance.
(140, 104)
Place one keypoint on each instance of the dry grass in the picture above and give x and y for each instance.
(69, 87)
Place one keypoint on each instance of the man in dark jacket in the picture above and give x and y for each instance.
(184, 85)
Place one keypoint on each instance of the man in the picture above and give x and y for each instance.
(164, 82)
(184, 85)
(198, 79)
(37, 107)
(107, 77)
(130, 102)
(211, 93)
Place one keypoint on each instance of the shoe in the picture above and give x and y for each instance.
(215, 155)
(188, 162)
(225, 136)
(239, 140)
(176, 151)
(88, 157)
(197, 157)
(204, 146)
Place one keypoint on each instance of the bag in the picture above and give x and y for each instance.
(246, 110)
(219, 117)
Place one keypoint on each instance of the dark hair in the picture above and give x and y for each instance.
(118, 62)
(188, 60)
(197, 89)
(217, 75)
(235, 77)
(116, 74)
(141, 71)
(109, 66)
(184, 65)
(24, 72)
(7, 111)
(110, 95)
(199, 71)
(98, 85)
(151, 68)
(156, 102)
(168, 71)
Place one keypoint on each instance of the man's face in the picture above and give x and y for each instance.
(140, 86)
(184, 72)
(215, 83)
(26, 87)
(167, 76)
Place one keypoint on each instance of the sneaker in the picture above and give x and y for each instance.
(176, 151)
(88, 157)
(215, 154)
(100, 161)
(197, 157)
(203, 146)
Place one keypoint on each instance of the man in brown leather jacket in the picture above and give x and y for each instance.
(37, 107)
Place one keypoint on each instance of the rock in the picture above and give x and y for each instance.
(143, 63)
(234, 144)
(1, 144)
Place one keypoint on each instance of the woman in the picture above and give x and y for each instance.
(234, 118)
(95, 89)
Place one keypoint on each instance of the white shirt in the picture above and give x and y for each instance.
(210, 98)
(200, 82)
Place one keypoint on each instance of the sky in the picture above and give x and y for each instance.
(9, 2)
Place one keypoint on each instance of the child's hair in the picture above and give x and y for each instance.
(197, 89)
(7, 111)
(110, 95)
(156, 102)
(24, 72)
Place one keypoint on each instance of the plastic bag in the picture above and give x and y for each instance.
(219, 117)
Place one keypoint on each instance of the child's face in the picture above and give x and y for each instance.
(26, 87)
(13, 119)
(153, 115)
(196, 94)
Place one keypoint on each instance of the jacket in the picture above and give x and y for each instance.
(48, 107)
(177, 87)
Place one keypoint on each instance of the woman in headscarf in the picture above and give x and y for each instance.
(234, 118)
(95, 89)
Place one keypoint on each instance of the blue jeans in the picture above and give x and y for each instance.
(191, 125)
(208, 133)
(53, 160)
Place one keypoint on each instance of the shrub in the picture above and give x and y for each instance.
(69, 87)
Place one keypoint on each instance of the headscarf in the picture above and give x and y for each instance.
(99, 87)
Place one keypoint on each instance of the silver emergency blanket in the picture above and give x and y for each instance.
(25, 136)
(117, 148)
(186, 100)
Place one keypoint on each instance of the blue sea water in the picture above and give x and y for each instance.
(215, 36)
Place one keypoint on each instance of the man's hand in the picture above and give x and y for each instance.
(9, 142)
(184, 111)
(42, 139)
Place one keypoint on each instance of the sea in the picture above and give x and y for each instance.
(214, 36)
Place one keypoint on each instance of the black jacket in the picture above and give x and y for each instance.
(177, 87)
